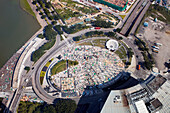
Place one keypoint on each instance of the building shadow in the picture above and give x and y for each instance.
(4, 108)
(93, 101)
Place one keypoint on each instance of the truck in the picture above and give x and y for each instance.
(138, 67)
(158, 44)
(155, 50)
(97, 27)
(91, 28)
(155, 47)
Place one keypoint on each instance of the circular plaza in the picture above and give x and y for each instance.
(79, 67)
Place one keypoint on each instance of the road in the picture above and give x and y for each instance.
(138, 56)
(14, 103)
(131, 18)
(140, 18)
(36, 68)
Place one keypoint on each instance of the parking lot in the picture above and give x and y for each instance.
(157, 32)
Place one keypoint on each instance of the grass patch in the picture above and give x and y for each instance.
(25, 5)
(96, 42)
(121, 52)
(124, 44)
(86, 43)
(100, 42)
(61, 66)
(42, 74)
(122, 16)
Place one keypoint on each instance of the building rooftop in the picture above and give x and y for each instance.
(116, 103)
(162, 94)
(112, 45)
(141, 107)
(156, 83)
(156, 103)
(120, 3)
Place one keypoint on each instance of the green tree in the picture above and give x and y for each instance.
(49, 32)
(40, 36)
(34, 2)
(66, 106)
(41, 13)
(120, 38)
(49, 109)
(76, 38)
(38, 8)
(101, 23)
(51, 17)
(48, 5)
(43, 16)
(58, 29)
(56, 17)
(110, 34)
(27, 68)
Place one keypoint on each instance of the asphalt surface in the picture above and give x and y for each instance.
(131, 18)
(140, 18)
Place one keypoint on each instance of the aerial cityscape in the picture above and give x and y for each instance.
(85, 56)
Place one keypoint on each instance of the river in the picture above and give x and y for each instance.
(16, 27)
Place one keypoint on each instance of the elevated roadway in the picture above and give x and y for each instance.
(132, 17)
(140, 18)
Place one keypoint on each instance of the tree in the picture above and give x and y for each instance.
(56, 17)
(41, 13)
(43, 16)
(40, 36)
(34, 2)
(76, 38)
(51, 17)
(49, 33)
(120, 38)
(66, 106)
(54, 22)
(58, 29)
(48, 5)
(118, 30)
(38, 8)
(27, 68)
(110, 34)
(49, 109)
(101, 23)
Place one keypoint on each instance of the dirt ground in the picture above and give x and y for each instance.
(156, 33)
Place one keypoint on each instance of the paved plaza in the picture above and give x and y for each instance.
(95, 67)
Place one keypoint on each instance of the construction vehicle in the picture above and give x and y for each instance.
(138, 67)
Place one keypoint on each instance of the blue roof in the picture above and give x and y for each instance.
(87, 19)
(145, 24)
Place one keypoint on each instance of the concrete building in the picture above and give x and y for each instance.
(116, 103)
(112, 45)
(141, 107)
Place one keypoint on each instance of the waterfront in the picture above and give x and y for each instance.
(16, 27)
